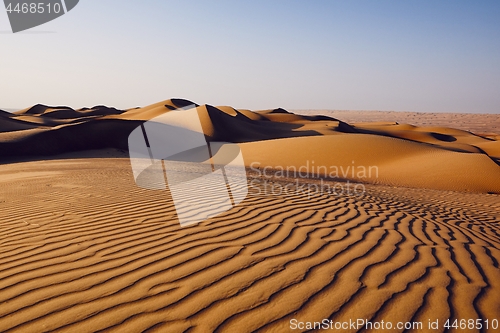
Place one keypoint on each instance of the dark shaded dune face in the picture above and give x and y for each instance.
(231, 111)
(283, 116)
(41, 121)
(275, 111)
(61, 114)
(346, 128)
(64, 112)
(98, 134)
(40, 109)
(5, 114)
(240, 128)
(68, 113)
(320, 118)
(180, 103)
(177, 103)
(100, 111)
(37, 109)
(9, 125)
(443, 137)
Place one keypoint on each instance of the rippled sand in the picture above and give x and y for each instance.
(83, 249)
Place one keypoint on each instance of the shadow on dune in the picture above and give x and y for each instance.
(98, 134)
(42, 131)
(443, 137)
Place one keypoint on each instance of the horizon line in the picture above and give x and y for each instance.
(12, 110)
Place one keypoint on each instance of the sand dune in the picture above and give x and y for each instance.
(379, 160)
(8, 124)
(4, 113)
(405, 155)
(84, 249)
(486, 124)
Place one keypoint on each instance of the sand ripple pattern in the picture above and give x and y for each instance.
(85, 250)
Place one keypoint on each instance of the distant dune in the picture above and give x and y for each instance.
(8, 110)
(435, 157)
(488, 123)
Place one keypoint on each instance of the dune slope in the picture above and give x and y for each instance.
(405, 155)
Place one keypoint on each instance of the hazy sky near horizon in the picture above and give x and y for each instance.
(433, 56)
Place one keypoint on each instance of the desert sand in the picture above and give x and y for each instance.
(473, 122)
(84, 249)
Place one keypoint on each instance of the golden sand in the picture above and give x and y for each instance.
(83, 249)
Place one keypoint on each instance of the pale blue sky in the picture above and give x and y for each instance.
(375, 55)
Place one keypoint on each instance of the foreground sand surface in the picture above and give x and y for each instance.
(83, 249)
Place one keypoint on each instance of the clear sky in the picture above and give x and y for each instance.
(436, 56)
